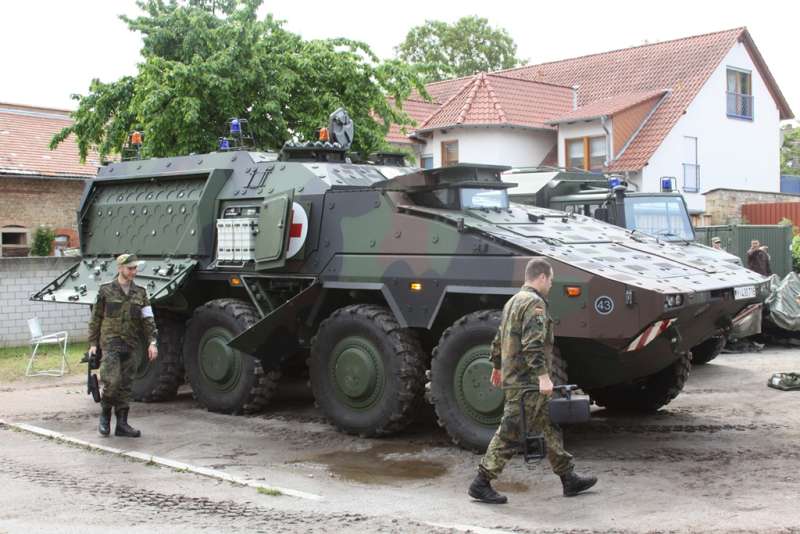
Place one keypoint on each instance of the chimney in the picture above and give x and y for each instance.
(575, 97)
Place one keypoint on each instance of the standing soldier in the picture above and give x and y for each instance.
(521, 352)
(121, 317)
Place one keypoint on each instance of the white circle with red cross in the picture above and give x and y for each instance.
(298, 230)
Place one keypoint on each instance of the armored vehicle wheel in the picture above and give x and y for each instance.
(224, 379)
(466, 403)
(651, 394)
(159, 380)
(707, 350)
(367, 372)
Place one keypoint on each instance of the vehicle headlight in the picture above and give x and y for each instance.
(673, 301)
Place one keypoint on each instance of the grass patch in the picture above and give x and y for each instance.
(14, 360)
(272, 492)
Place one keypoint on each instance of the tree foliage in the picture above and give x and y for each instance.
(468, 46)
(42, 241)
(205, 61)
(790, 152)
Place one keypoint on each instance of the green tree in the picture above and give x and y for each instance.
(790, 152)
(205, 61)
(42, 241)
(468, 46)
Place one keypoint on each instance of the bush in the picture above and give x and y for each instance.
(42, 241)
(796, 253)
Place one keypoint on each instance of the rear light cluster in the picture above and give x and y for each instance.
(673, 301)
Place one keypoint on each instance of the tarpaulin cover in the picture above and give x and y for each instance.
(784, 308)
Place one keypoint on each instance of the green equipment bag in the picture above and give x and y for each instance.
(784, 381)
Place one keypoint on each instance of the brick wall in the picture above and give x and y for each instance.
(724, 206)
(31, 202)
(19, 278)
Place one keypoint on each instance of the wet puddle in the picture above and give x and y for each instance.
(382, 464)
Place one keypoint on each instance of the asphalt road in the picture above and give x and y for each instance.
(723, 457)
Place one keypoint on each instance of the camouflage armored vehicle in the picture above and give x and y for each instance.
(608, 198)
(380, 275)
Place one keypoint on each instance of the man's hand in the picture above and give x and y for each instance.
(152, 352)
(545, 385)
(92, 350)
(496, 378)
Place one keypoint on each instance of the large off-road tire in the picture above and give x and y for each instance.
(650, 394)
(223, 379)
(467, 405)
(367, 372)
(159, 380)
(707, 350)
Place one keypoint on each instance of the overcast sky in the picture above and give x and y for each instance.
(52, 48)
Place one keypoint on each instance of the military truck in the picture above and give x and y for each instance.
(386, 280)
(606, 198)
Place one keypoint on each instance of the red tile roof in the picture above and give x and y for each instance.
(682, 65)
(607, 106)
(418, 110)
(489, 99)
(25, 134)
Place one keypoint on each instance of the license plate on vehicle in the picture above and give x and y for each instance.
(745, 292)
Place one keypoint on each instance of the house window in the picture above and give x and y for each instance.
(449, 153)
(13, 241)
(740, 94)
(586, 153)
(426, 161)
(691, 169)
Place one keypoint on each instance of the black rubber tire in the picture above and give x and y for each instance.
(650, 394)
(159, 380)
(471, 330)
(254, 387)
(707, 350)
(401, 356)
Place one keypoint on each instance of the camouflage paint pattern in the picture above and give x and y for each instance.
(117, 318)
(117, 370)
(523, 349)
(367, 231)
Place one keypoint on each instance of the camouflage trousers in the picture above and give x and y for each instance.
(508, 438)
(116, 375)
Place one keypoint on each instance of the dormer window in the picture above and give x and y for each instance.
(739, 94)
(586, 153)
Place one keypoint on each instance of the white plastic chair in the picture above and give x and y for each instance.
(39, 338)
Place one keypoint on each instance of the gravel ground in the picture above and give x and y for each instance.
(722, 457)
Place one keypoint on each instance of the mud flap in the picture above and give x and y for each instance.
(259, 339)
(747, 322)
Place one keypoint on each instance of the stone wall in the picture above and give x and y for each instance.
(724, 206)
(21, 277)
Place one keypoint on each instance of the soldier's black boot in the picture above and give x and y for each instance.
(574, 483)
(105, 421)
(123, 428)
(481, 489)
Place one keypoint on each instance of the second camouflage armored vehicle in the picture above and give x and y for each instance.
(379, 275)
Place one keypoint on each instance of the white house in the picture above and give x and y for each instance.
(703, 110)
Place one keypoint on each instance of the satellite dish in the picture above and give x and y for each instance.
(341, 128)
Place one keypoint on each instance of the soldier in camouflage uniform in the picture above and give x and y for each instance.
(521, 355)
(121, 318)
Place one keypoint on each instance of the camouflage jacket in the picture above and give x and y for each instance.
(524, 342)
(121, 318)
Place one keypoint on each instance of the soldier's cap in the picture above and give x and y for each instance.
(129, 260)
(716, 240)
